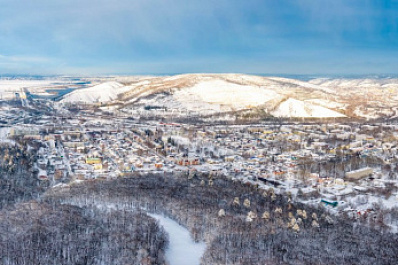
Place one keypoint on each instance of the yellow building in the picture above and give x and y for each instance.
(93, 160)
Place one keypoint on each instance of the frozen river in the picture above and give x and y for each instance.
(182, 249)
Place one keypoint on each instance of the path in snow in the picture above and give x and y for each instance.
(182, 249)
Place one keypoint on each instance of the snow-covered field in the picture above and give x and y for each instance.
(8, 88)
(326, 103)
(16, 84)
(297, 108)
(224, 93)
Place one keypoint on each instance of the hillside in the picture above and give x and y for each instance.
(229, 96)
(268, 239)
(105, 92)
(297, 108)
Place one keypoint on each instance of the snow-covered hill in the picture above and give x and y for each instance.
(207, 94)
(223, 93)
(303, 84)
(365, 83)
(105, 92)
(297, 108)
(212, 94)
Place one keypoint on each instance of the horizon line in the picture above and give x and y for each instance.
(291, 75)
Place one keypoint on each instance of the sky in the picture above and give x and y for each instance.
(90, 37)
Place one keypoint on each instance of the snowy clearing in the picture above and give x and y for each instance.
(297, 108)
(224, 93)
(182, 249)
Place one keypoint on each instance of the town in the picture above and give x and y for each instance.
(346, 167)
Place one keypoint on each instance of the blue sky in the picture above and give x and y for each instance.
(178, 36)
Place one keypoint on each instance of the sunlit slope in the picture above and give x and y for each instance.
(209, 94)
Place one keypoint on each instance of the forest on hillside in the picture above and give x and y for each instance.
(240, 223)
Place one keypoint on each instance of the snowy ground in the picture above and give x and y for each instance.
(182, 249)
(100, 93)
(8, 88)
(297, 108)
(206, 94)
(326, 103)
(220, 92)
(361, 83)
(303, 84)
(4, 131)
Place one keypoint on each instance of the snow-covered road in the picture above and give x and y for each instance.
(182, 249)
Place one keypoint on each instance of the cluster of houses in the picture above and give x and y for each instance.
(334, 160)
